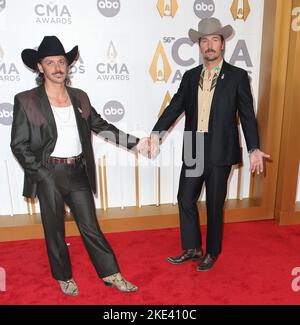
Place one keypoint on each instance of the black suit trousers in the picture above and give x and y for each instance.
(215, 179)
(69, 184)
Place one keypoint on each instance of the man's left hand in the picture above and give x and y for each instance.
(143, 147)
(256, 161)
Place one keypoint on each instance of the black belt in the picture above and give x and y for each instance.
(66, 161)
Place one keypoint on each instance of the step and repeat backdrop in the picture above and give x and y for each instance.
(133, 54)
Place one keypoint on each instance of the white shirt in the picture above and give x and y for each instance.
(68, 142)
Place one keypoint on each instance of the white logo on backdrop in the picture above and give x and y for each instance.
(8, 70)
(50, 13)
(112, 69)
(113, 111)
(109, 8)
(6, 113)
(204, 8)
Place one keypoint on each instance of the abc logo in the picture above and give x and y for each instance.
(108, 8)
(204, 8)
(113, 111)
(2, 5)
(6, 113)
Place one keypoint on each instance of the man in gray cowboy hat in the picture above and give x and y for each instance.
(211, 95)
(51, 139)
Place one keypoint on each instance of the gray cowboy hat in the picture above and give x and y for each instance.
(210, 26)
(50, 46)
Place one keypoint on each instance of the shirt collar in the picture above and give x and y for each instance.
(216, 69)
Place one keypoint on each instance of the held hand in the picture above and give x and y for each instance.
(143, 147)
(256, 161)
(154, 146)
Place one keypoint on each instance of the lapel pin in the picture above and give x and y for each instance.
(79, 109)
(222, 77)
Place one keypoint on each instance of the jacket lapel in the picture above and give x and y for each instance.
(76, 106)
(46, 109)
(194, 93)
(219, 86)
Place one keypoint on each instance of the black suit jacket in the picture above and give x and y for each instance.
(34, 134)
(232, 95)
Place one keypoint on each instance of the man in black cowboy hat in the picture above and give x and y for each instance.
(51, 139)
(211, 95)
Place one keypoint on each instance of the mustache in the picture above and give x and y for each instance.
(58, 72)
(210, 51)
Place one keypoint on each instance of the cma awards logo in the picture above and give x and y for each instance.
(49, 13)
(109, 8)
(241, 54)
(240, 9)
(167, 8)
(160, 68)
(6, 113)
(296, 21)
(112, 69)
(2, 5)
(8, 70)
(113, 111)
(204, 8)
(77, 68)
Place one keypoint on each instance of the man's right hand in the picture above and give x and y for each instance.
(149, 147)
(154, 145)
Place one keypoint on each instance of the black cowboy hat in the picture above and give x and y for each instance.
(50, 46)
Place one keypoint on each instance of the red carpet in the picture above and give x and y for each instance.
(254, 268)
